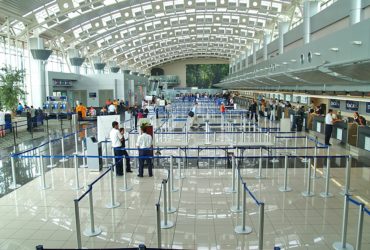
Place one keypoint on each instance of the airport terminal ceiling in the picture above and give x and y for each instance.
(144, 34)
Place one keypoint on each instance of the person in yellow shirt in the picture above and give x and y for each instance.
(81, 108)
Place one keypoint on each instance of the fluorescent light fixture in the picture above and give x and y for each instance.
(317, 53)
(357, 42)
(293, 60)
(334, 49)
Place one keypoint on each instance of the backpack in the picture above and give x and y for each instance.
(191, 113)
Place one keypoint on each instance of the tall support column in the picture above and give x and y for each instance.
(246, 58)
(283, 28)
(266, 41)
(255, 44)
(355, 12)
(39, 79)
(310, 8)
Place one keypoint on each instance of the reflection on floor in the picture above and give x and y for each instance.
(31, 216)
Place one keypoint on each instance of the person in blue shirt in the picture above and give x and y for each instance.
(194, 119)
(19, 109)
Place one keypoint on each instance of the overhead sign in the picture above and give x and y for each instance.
(352, 105)
(334, 103)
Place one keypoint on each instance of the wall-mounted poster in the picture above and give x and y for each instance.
(352, 105)
(334, 103)
(368, 107)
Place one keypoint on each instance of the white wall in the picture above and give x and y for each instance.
(179, 67)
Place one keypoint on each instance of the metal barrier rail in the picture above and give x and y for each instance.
(360, 223)
(93, 231)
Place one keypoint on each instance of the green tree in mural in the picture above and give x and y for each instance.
(205, 75)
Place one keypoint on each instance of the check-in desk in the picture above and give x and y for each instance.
(363, 140)
(352, 134)
(318, 124)
(340, 131)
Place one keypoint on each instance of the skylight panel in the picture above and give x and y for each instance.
(109, 2)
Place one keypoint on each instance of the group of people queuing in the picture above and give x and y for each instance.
(144, 145)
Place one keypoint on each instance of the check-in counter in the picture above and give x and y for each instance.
(363, 140)
(340, 131)
(352, 134)
(318, 124)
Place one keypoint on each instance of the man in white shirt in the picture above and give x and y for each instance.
(145, 147)
(115, 138)
(111, 109)
(329, 126)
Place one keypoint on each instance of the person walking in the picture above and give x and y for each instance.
(116, 142)
(253, 110)
(145, 146)
(194, 118)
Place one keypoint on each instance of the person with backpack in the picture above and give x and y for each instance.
(193, 116)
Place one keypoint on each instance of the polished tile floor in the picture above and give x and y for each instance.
(31, 216)
(203, 220)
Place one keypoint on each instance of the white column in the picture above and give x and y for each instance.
(246, 53)
(266, 41)
(355, 12)
(310, 8)
(255, 44)
(283, 28)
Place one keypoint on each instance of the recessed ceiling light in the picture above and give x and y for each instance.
(190, 3)
(255, 4)
(127, 14)
(357, 42)
(157, 7)
(65, 5)
(97, 25)
(334, 49)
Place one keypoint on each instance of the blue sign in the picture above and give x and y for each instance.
(368, 107)
(352, 105)
(335, 104)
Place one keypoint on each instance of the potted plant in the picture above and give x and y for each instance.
(10, 88)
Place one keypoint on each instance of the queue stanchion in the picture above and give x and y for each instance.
(92, 231)
(327, 194)
(170, 209)
(314, 175)
(237, 207)
(243, 229)
(125, 187)
(274, 159)
(173, 189)
(77, 180)
(260, 176)
(43, 184)
(285, 188)
(295, 143)
(165, 224)
(346, 189)
(51, 154)
(14, 184)
(83, 147)
(63, 150)
(78, 224)
(113, 203)
(308, 192)
(76, 142)
(360, 226)
(305, 159)
(232, 188)
(159, 234)
(261, 225)
(343, 245)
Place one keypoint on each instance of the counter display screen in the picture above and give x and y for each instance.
(335, 104)
(368, 107)
(352, 105)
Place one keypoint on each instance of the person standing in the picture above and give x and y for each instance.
(329, 126)
(2, 123)
(145, 146)
(124, 151)
(111, 109)
(135, 112)
(253, 110)
(116, 142)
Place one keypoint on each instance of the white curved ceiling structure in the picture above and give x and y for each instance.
(148, 33)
